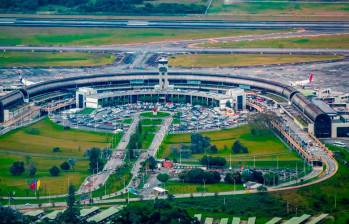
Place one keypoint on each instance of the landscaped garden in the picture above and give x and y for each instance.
(264, 149)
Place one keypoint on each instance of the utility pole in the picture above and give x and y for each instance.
(230, 161)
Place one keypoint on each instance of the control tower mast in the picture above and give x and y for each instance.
(163, 78)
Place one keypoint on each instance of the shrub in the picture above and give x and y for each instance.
(65, 166)
(56, 149)
(17, 168)
(54, 171)
(32, 131)
(31, 170)
(213, 161)
(200, 176)
(163, 177)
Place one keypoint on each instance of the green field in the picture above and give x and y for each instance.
(330, 41)
(229, 60)
(151, 121)
(280, 9)
(175, 187)
(159, 114)
(266, 148)
(126, 121)
(148, 134)
(50, 185)
(104, 36)
(33, 144)
(116, 181)
(44, 135)
(86, 111)
(48, 59)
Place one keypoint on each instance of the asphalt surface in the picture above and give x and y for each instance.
(202, 24)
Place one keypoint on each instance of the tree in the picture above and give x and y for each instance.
(72, 162)
(163, 177)
(213, 149)
(65, 166)
(154, 213)
(56, 149)
(72, 213)
(213, 161)
(9, 215)
(199, 143)
(96, 163)
(239, 148)
(150, 163)
(231, 178)
(199, 176)
(271, 179)
(252, 175)
(54, 171)
(244, 149)
(236, 148)
(17, 168)
(31, 170)
(228, 104)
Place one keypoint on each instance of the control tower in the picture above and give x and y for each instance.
(163, 68)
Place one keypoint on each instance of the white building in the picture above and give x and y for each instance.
(81, 95)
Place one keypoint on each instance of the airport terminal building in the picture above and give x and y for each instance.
(197, 88)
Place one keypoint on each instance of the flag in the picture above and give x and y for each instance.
(32, 186)
(38, 183)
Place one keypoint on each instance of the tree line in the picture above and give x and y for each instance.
(103, 6)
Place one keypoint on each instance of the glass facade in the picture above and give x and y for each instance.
(322, 126)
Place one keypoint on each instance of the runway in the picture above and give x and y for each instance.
(171, 50)
(185, 24)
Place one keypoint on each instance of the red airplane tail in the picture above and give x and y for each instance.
(311, 77)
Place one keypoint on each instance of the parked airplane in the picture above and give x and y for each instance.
(26, 82)
(304, 83)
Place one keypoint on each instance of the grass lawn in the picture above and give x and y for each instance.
(175, 187)
(148, 134)
(331, 41)
(126, 121)
(159, 114)
(151, 121)
(86, 111)
(228, 60)
(44, 135)
(104, 36)
(34, 143)
(266, 148)
(47, 59)
(284, 8)
(50, 185)
(316, 199)
(116, 181)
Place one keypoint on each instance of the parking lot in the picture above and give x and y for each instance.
(198, 118)
(186, 117)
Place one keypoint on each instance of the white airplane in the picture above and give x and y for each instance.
(26, 82)
(304, 83)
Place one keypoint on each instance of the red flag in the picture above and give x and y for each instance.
(32, 186)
